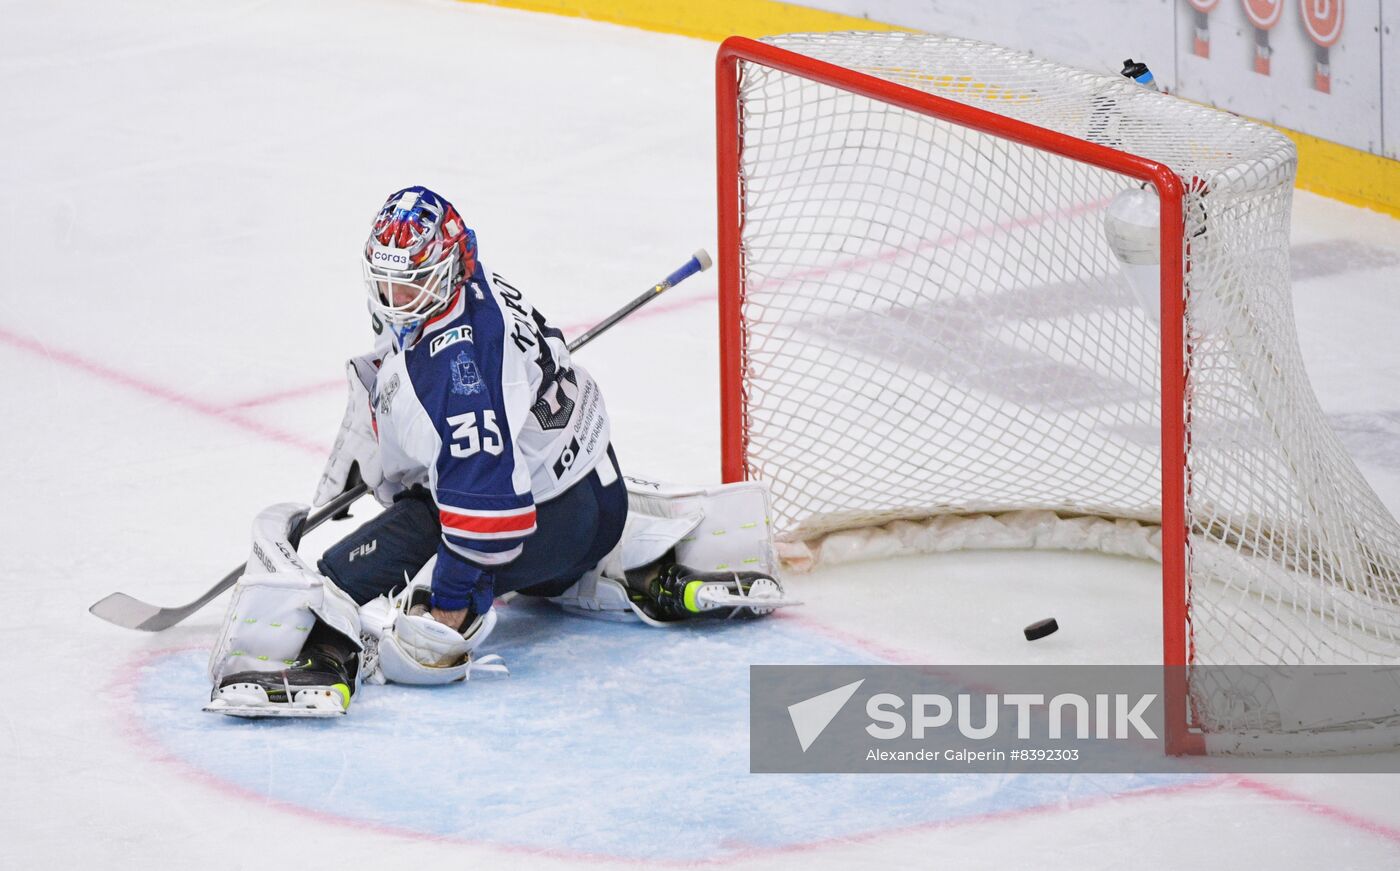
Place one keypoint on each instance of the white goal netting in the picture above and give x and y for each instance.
(935, 327)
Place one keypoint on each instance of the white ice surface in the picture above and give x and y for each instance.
(186, 187)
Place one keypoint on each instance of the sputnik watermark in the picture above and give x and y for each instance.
(1080, 719)
(810, 717)
(897, 714)
(1116, 715)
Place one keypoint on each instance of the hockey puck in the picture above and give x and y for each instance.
(1040, 628)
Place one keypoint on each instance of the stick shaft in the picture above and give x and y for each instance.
(699, 262)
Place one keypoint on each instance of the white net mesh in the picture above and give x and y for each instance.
(934, 324)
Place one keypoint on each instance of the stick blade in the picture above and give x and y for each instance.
(129, 613)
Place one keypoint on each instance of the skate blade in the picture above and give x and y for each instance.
(731, 600)
(258, 712)
(762, 598)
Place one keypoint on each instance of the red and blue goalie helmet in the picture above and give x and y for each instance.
(418, 254)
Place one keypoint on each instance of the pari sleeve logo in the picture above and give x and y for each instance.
(449, 337)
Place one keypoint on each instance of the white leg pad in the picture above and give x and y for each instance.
(272, 610)
(724, 527)
(269, 617)
(718, 528)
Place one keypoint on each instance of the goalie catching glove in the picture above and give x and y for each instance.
(405, 645)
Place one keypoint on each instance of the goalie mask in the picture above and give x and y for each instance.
(417, 256)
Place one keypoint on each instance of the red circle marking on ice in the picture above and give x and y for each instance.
(1322, 19)
(1263, 14)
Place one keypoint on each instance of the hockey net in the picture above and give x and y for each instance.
(929, 343)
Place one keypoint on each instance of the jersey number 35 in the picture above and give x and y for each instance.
(467, 440)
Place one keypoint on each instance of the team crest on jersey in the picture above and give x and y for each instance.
(466, 379)
(449, 337)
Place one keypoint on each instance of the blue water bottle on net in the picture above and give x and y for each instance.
(1138, 72)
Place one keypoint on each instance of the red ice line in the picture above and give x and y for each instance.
(289, 393)
(226, 412)
(229, 412)
(106, 372)
(1317, 808)
(946, 240)
(1273, 791)
(125, 686)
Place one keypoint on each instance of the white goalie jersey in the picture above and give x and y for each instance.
(487, 409)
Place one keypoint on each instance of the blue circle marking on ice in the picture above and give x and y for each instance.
(607, 739)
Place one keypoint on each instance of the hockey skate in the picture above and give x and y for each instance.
(320, 683)
(682, 593)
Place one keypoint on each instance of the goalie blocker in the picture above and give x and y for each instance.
(296, 644)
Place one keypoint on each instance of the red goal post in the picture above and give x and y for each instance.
(1169, 187)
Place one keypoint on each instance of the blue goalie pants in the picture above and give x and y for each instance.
(573, 531)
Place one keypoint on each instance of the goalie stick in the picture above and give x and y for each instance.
(131, 613)
(698, 262)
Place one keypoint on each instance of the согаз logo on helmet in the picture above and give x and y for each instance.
(390, 258)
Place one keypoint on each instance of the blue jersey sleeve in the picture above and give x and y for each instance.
(474, 392)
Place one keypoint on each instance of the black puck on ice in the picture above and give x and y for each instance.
(1040, 628)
